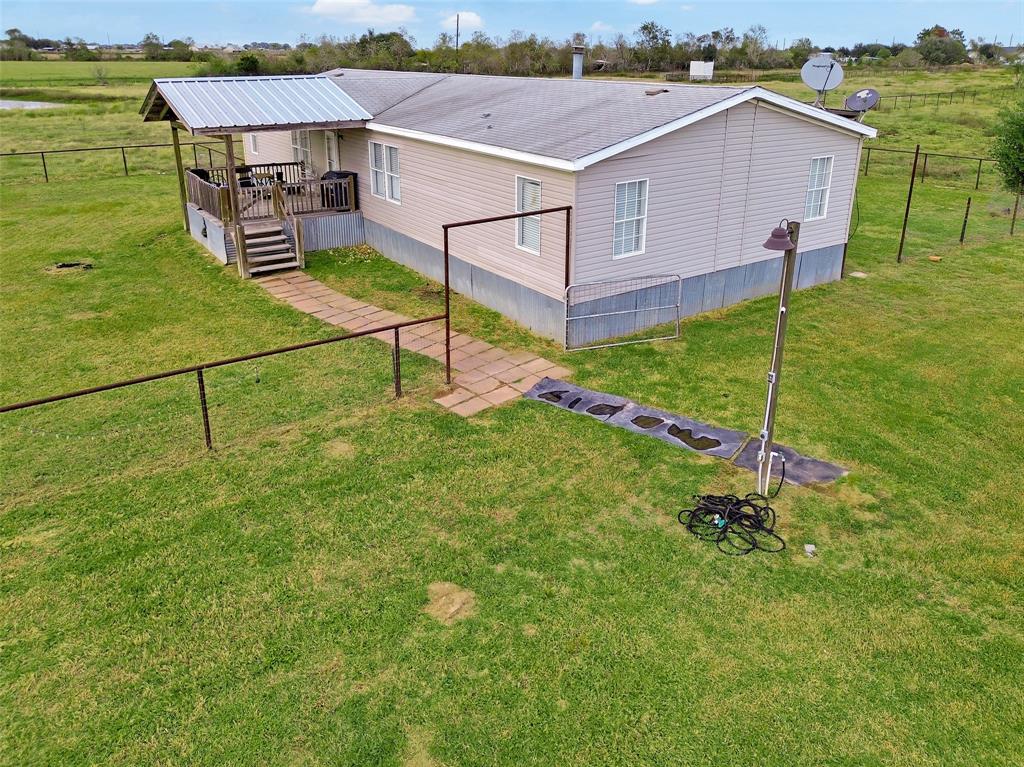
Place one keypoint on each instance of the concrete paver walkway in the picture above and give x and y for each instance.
(487, 375)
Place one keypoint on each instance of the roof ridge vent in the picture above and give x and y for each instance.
(655, 91)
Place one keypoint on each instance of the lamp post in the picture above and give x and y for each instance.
(784, 237)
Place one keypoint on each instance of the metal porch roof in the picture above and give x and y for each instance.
(243, 104)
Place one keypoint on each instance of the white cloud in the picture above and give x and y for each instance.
(643, 2)
(365, 11)
(599, 27)
(467, 20)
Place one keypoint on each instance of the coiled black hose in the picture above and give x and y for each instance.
(736, 525)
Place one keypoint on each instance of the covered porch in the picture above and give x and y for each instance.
(256, 214)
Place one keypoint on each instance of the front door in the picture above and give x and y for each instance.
(331, 142)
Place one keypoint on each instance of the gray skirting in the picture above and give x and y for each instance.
(702, 293)
(542, 314)
(335, 230)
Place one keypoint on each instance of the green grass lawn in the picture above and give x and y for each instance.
(264, 603)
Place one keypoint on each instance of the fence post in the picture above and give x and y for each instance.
(906, 214)
(206, 412)
(977, 181)
(396, 363)
(963, 229)
(124, 161)
(867, 162)
(924, 168)
(46, 175)
(447, 315)
(195, 156)
(1016, 207)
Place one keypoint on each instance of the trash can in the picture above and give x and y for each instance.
(333, 195)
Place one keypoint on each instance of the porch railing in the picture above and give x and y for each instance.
(209, 197)
(272, 200)
(260, 173)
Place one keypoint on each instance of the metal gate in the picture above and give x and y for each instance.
(612, 313)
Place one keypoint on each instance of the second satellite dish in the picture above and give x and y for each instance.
(862, 100)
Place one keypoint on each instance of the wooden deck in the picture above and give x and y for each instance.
(268, 192)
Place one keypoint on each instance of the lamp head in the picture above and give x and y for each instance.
(779, 239)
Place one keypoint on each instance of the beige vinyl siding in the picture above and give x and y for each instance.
(715, 190)
(442, 184)
(779, 174)
(274, 146)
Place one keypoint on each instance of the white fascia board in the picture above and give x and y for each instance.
(474, 146)
(843, 123)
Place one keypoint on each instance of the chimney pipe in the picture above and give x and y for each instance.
(577, 62)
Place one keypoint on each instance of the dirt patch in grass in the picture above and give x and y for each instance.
(417, 748)
(449, 602)
(339, 448)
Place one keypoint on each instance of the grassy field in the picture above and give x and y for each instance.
(264, 603)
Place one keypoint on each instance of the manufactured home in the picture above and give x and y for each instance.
(662, 182)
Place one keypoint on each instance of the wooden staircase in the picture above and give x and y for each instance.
(268, 249)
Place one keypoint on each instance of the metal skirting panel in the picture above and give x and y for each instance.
(335, 230)
(209, 232)
(541, 314)
(715, 290)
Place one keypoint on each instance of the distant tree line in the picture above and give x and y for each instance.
(652, 48)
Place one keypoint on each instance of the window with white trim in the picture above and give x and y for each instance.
(528, 228)
(385, 172)
(816, 202)
(254, 146)
(300, 149)
(630, 218)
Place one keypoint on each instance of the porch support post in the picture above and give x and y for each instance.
(181, 175)
(236, 214)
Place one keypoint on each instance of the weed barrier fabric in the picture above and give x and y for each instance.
(618, 411)
(734, 446)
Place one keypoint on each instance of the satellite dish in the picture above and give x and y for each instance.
(862, 100)
(822, 74)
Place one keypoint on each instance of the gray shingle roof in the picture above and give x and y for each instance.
(563, 119)
(377, 91)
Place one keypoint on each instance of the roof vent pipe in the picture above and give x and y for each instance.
(577, 62)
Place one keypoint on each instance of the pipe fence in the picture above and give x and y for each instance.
(951, 169)
(202, 151)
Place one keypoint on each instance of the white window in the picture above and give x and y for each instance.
(300, 150)
(816, 203)
(385, 172)
(254, 147)
(528, 229)
(630, 218)
(331, 143)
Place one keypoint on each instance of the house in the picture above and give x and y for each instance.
(662, 180)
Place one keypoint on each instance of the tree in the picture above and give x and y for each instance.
(1009, 147)
(801, 50)
(908, 58)
(942, 50)
(152, 47)
(653, 45)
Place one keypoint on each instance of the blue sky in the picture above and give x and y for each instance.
(211, 21)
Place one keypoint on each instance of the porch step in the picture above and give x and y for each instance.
(270, 246)
(268, 257)
(270, 267)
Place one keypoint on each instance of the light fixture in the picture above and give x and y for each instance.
(779, 239)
